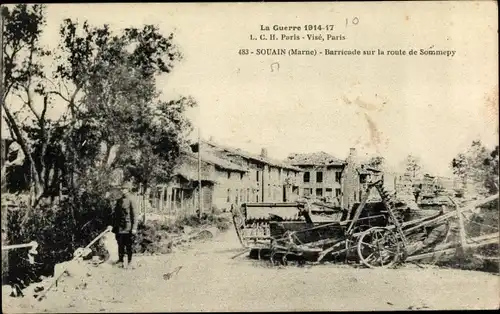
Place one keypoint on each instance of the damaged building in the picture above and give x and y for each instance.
(325, 177)
(229, 177)
(321, 176)
(265, 179)
(180, 194)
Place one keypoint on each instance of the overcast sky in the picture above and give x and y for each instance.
(394, 105)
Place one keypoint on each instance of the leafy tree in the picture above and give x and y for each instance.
(23, 80)
(477, 168)
(115, 118)
(491, 171)
(119, 107)
(377, 162)
(459, 165)
(413, 166)
(107, 82)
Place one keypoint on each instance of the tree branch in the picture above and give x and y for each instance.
(59, 94)
(9, 127)
(72, 100)
(29, 103)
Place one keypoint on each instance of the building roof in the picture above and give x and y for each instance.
(315, 159)
(250, 156)
(211, 159)
(190, 177)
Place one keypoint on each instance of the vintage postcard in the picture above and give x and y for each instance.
(302, 156)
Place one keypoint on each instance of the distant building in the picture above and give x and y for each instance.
(321, 176)
(266, 179)
(355, 179)
(181, 193)
(228, 176)
(324, 176)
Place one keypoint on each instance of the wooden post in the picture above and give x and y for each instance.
(175, 200)
(461, 225)
(169, 200)
(162, 195)
(154, 195)
(145, 198)
(182, 199)
(139, 198)
(199, 173)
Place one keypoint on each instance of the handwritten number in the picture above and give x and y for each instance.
(354, 21)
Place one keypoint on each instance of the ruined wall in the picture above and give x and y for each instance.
(328, 186)
(262, 183)
(189, 167)
(231, 187)
(274, 184)
(350, 181)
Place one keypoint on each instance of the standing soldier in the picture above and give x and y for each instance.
(417, 191)
(125, 222)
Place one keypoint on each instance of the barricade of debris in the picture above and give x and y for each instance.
(375, 234)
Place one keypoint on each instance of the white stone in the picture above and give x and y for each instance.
(111, 246)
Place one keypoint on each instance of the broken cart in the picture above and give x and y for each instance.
(380, 238)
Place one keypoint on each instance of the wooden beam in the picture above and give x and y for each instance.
(473, 205)
(445, 248)
(430, 254)
(461, 226)
(182, 199)
(174, 201)
(482, 243)
(358, 211)
(241, 253)
(486, 237)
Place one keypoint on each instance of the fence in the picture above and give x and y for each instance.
(167, 203)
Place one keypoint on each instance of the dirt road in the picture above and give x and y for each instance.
(210, 281)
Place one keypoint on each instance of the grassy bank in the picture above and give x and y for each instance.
(156, 237)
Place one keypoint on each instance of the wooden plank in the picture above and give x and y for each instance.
(182, 199)
(473, 205)
(170, 203)
(446, 216)
(174, 201)
(359, 210)
(483, 243)
(461, 226)
(162, 200)
(485, 237)
(445, 248)
(430, 254)
(489, 258)
(484, 240)
(241, 253)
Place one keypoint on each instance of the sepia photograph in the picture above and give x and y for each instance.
(249, 156)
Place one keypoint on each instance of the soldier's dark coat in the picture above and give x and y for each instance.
(125, 215)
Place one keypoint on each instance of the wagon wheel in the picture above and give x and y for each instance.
(276, 259)
(284, 260)
(378, 247)
(273, 258)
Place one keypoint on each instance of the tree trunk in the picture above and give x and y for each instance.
(35, 180)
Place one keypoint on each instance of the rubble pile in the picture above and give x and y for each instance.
(375, 234)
